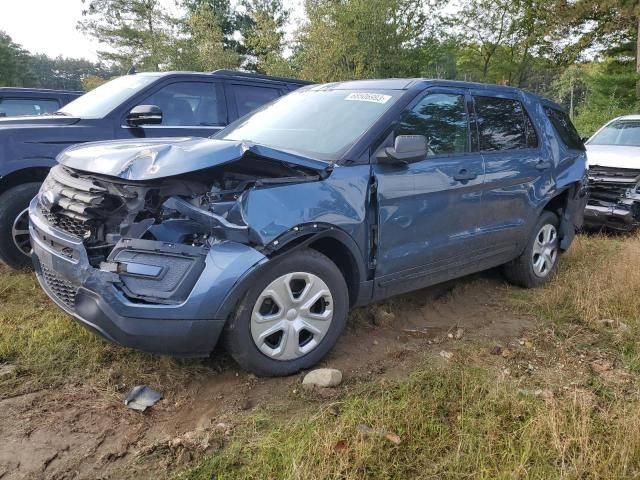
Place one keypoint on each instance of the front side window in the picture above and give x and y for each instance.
(503, 124)
(248, 97)
(443, 119)
(12, 107)
(619, 132)
(321, 124)
(190, 104)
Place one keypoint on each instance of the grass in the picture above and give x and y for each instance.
(456, 420)
(472, 421)
(49, 349)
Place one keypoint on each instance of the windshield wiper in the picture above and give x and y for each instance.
(59, 113)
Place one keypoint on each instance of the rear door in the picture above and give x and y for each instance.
(518, 171)
(429, 211)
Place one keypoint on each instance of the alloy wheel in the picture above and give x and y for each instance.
(20, 232)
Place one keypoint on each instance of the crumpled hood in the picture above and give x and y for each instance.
(613, 156)
(36, 122)
(149, 159)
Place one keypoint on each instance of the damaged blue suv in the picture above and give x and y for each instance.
(333, 196)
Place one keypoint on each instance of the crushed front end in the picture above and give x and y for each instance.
(150, 264)
(614, 198)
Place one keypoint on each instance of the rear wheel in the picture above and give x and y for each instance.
(539, 261)
(15, 247)
(291, 316)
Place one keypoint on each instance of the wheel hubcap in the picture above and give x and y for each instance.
(545, 250)
(292, 316)
(20, 232)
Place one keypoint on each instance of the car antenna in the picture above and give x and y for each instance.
(132, 70)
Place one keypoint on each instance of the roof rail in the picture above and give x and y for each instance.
(238, 73)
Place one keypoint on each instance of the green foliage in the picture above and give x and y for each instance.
(362, 39)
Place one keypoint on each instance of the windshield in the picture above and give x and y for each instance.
(99, 102)
(621, 132)
(319, 123)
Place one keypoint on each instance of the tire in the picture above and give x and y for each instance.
(13, 206)
(527, 270)
(268, 334)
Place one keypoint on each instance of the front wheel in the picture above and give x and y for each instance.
(15, 247)
(291, 316)
(539, 261)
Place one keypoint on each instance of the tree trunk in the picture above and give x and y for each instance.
(638, 61)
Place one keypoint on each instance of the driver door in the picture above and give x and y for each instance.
(429, 210)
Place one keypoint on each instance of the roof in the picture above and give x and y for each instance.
(421, 83)
(38, 90)
(232, 74)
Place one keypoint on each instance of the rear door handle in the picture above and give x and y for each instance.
(464, 176)
(542, 165)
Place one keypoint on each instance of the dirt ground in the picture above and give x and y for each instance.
(77, 432)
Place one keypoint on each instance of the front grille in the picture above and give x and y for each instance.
(70, 225)
(74, 203)
(610, 184)
(63, 290)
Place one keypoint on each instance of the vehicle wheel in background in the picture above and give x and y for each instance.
(539, 261)
(14, 225)
(291, 316)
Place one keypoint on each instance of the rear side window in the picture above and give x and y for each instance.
(504, 125)
(443, 119)
(10, 107)
(565, 129)
(248, 97)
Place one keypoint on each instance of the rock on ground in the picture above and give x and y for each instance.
(323, 377)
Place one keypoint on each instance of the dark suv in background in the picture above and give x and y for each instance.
(18, 102)
(144, 105)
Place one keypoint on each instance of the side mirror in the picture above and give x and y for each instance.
(406, 149)
(144, 115)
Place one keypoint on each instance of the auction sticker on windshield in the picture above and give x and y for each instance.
(368, 97)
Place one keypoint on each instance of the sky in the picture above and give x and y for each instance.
(49, 26)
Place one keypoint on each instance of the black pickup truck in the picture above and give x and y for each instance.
(17, 102)
(143, 105)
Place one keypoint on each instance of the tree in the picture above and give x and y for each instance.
(362, 39)
(203, 48)
(137, 32)
(263, 31)
(14, 63)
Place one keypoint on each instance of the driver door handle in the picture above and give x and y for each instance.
(542, 165)
(464, 176)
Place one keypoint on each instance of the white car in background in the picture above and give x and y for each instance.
(613, 153)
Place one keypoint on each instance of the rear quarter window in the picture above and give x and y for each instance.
(503, 124)
(564, 128)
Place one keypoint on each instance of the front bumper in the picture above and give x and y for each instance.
(616, 216)
(100, 300)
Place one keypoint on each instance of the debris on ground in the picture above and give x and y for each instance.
(7, 370)
(459, 333)
(371, 432)
(496, 350)
(323, 378)
(446, 355)
(142, 397)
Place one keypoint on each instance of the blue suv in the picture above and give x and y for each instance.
(333, 196)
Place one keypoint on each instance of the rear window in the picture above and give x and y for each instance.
(565, 129)
(504, 125)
